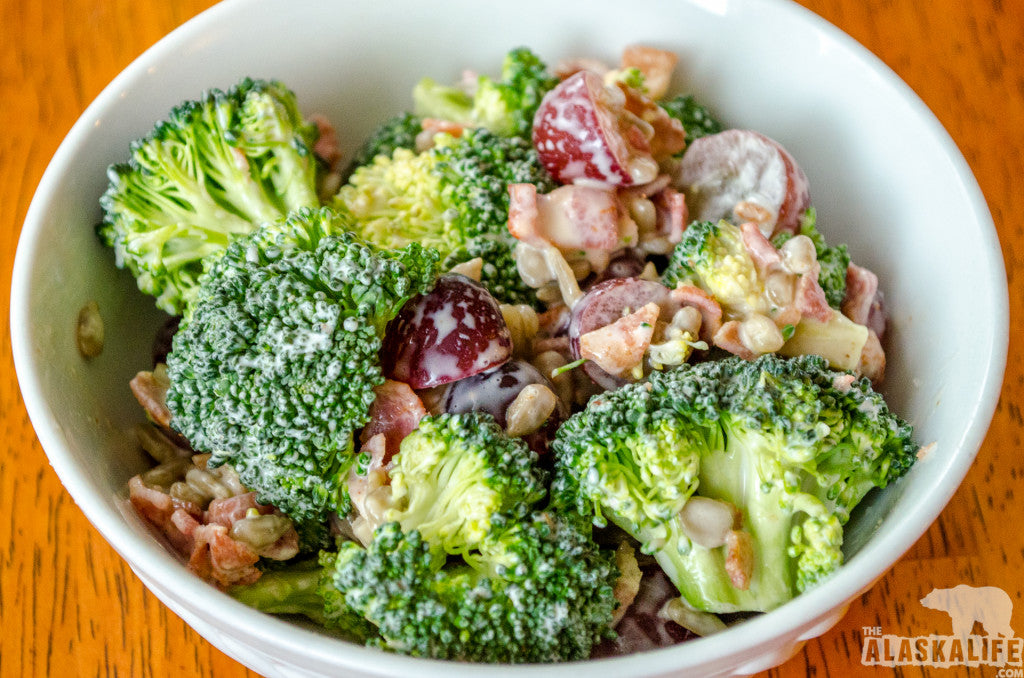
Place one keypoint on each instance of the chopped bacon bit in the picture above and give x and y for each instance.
(523, 213)
(863, 301)
(669, 137)
(204, 538)
(396, 412)
(219, 558)
(872, 359)
(728, 338)
(161, 510)
(326, 146)
(151, 392)
(763, 253)
(620, 346)
(710, 310)
(656, 65)
(844, 382)
(739, 558)
(810, 298)
(670, 206)
(567, 67)
(230, 509)
(570, 217)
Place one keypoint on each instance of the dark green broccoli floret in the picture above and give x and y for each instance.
(539, 591)
(458, 476)
(394, 133)
(833, 260)
(211, 172)
(791, 444)
(505, 107)
(696, 118)
(453, 197)
(306, 588)
(275, 368)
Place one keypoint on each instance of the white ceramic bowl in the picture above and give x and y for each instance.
(884, 175)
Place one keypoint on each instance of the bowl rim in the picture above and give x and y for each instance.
(873, 561)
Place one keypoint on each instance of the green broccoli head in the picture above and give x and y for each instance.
(454, 198)
(538, 591)
(697, 120)
(211, 172)
(505, 107)
(306, 588)
(457, 477)
(791, 444)
(712, 256)
(833, 260)
(275, 367)
(397, 132)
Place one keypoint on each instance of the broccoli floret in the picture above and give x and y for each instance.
(458, 476)
(211, 172)
(454, 198)
(833, 260)
(394, 133)
(275, 368)
(697, 120)
(464, 567)
(712, 256)
(791, 444)
(505, 107)
(538, 591)
(306, 588)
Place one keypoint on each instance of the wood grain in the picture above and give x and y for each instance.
(70, 606)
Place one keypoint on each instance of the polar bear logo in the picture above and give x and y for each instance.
(967, 604)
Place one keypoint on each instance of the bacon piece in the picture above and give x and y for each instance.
(219, 558)
(395, 412)
(161, 510)
(151, 392)
(228, 510)
(668, 136)
(656, 65)
(670, 207)
(728, 338)
(739, 558)
(567, 67)
(523, 214)
(570, 217)
(763, 253)
(863, 301)
(433, 126)
(872, 359)
(710, 310)
(810, 298)
(861, 286)
(620, 346)
(326, 146)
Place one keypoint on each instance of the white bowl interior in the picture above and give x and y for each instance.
(884, 177)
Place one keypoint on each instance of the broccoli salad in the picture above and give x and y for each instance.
(556, 365)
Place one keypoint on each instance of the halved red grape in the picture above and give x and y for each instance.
(583, 131)
(493, 391)
(454, 331)
(602, 305)
(743, 169)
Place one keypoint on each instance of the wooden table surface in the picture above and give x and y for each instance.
(70, 606)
